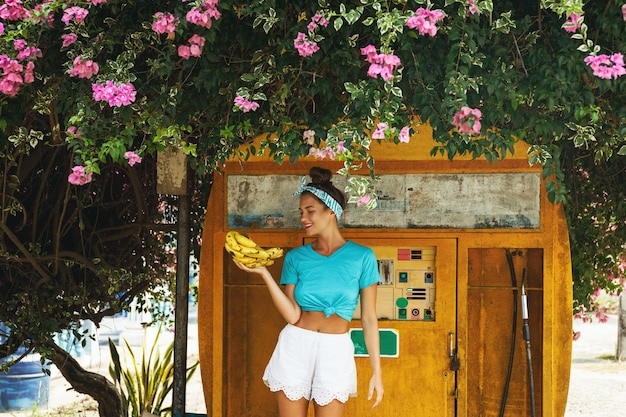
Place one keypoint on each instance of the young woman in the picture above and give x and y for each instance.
(321, 283)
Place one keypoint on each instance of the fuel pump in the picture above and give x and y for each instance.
(407, 287)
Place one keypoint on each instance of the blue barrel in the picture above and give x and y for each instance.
(25, 387)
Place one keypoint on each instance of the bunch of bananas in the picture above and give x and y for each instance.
(248, 253)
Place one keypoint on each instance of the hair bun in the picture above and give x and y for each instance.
(320, 175)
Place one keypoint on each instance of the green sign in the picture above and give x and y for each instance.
(389, 342)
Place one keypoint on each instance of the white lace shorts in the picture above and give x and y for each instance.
(312, 365)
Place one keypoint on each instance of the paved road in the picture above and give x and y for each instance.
(597, 383)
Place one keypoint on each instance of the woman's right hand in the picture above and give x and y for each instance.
(256, 270)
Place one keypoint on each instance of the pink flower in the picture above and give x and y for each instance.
(73, 130)
(379, 133)
(425, 21)
(19, 44)
(164, 23)
(13, 10)
(572, 24)
(472, 8)
(245, 105)
(341, 147)
(116, 96)
(197, 40)
(184, 51)
(309, 136)
(468, 120)
(606, 66)
(195, 49)
(318, 153)
(363, 200)
(29, 77)
(83, 69)
(370, 52)
(132, 157)
(602, 316)
(14, 75)
(97, 2)
(624, 11)
(304, 46)
(79, 176)
(78, 14)
(405, 135)
(69, 39)
(330, 152)
(204, 16)
(319, 19)
(380, 64)
(25, 51)
(1, 28)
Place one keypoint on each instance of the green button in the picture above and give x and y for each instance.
(402, 302)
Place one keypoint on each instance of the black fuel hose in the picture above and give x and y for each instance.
(505, 394)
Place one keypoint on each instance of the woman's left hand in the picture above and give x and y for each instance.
(376, 384)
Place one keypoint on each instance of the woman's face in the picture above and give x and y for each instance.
(314, 215)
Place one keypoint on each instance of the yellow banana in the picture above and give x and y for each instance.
(244, 241)
(251, 262)
(230, 249)
(232, 241)
(274, 253)
(254, 262)
(244, 250)
(256, 252)
(239, 255)
(247, 260)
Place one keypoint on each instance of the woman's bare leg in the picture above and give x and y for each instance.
(333, 409)
(289, 408)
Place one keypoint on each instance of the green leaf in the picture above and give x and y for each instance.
(338, 23)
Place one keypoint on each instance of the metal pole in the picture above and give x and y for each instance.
(181, 307)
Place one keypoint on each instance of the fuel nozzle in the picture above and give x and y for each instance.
(524, 299)
(524, 302)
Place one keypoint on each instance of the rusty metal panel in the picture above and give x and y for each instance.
(469, 201)
(474, 201)
(491, 301)
(263, 201)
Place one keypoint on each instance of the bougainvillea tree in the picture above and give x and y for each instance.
(91, 91)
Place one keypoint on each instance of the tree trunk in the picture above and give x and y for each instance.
(620, 354)
(95, 385)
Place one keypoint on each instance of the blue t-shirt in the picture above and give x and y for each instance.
(330, 283)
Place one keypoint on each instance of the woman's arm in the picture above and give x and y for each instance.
(284, 301)
(369, 321)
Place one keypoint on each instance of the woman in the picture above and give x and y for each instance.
(314, 357)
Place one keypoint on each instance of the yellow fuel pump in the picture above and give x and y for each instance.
(454, 241)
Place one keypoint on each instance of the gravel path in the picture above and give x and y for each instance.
(598, 382)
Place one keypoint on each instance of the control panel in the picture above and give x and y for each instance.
(407, 283)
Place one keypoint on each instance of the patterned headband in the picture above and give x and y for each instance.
(330, 202)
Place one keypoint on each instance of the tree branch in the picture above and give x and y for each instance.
(95, 385)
